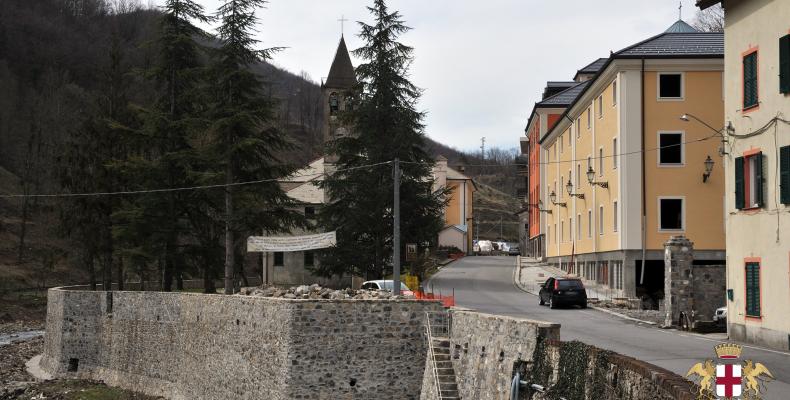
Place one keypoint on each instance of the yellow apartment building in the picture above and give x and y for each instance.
(757, 113)
(623, 172)
(459, 212)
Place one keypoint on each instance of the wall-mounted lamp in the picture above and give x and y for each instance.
(569, 188)
(541, 209)
(722, 149)
(708, 169)
(591, 179)
(553, 198)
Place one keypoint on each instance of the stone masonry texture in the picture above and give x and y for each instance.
(487, 350)
(701, 288)
(194, 346)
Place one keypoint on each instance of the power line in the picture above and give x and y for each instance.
(583, 159)
(189, 188)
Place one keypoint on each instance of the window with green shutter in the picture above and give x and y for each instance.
(750, 80)
(757, 180)
(740, 200)
(784, 174)
(753, 289)
(784, 64)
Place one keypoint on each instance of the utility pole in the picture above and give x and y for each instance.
(396, 228)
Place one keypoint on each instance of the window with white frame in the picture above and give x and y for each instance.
(589, 223)
(600, 220)
(578, 226)
(562, 231)
(578, 175)
(599, 106)
(670, 86)
(562, 144)
(615, 153)
(589, 119)
(670, 148)
(671, 213)
(600, 161)
(614, 216)
(614, 93)
(548, 234)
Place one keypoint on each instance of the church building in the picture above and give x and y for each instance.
(304, 187)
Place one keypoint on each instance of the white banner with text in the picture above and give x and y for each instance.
(269, 244)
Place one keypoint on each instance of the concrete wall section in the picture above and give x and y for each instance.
(192, 346)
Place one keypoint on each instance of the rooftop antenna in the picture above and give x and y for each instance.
(342, 21)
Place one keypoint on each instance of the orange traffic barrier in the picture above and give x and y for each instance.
(447, 301)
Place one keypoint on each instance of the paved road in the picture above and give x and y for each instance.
(486, 284)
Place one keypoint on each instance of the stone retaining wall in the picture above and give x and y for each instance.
(488, 350)
(194, 346)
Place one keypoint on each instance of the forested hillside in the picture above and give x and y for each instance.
(72, 71)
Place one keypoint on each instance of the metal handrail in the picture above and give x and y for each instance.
(429, 336)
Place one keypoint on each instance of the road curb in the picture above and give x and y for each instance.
(515, 280)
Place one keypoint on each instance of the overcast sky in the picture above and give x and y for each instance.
(483, 64)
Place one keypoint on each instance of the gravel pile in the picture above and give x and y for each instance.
(317, 292)
(14, 379)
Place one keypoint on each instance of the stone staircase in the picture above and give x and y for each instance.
(448, 387)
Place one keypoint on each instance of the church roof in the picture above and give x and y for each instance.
(681, 27)
(341, 74)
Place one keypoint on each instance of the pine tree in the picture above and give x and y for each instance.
(85, 169)
(153, 226)
(386, 126)
(245, 142)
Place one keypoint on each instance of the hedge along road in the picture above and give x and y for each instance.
(486, 284)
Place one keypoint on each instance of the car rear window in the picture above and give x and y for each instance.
(570, 284)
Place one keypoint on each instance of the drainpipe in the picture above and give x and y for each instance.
(644, 199)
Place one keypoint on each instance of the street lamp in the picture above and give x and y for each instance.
(541, 209)
(722, 150)
(553, 198)
(591, 179)
(708, 169)
(569, 187)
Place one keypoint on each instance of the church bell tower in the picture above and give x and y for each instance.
(335, 93)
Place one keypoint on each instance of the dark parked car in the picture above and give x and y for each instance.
(563, 291)
(513, 250)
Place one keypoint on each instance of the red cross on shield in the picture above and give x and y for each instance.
(728, 380)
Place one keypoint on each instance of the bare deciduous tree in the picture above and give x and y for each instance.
(710, 19)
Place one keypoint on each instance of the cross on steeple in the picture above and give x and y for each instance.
(342, 21)
(680, 10)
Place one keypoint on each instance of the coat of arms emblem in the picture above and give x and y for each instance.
(728, 379)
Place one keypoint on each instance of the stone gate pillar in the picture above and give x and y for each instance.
(678, 291)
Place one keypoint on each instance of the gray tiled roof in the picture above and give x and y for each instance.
(564, 98)
(669, 45)
(593, 67)
(566, 84)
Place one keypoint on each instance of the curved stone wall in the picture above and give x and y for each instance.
(196, 346)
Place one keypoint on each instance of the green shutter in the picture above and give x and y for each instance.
(740, 201)
(753, 289)
(750, 80)
(759, 182)
(784, 174)
(784, 64)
